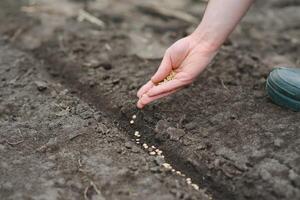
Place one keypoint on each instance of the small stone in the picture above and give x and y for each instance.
(41, 85)
(175, 133)
(135, 149)
(128, 145)
(278, 142)
(159, 161)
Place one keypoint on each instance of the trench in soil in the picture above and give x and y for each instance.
(171, 150)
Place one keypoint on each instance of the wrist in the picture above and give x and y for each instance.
(204, 41)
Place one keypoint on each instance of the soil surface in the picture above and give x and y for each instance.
(68, 91)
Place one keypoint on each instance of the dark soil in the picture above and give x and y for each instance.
(68, 94)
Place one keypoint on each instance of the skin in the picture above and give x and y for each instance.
(189, 56)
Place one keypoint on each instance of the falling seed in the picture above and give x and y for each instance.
(196, 187)
(133, 116)
(152, 153)
(131, 122)
(173, 170)
(137, 142)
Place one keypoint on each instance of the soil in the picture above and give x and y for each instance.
(68, 91)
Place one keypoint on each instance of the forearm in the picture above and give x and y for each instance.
(219, 20)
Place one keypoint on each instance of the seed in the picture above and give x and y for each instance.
(167, 165)
(133, 116)
(137, 142)
(189, 180)
(153, 147)
(173, 170)
(170, 77)
(145, 146)
(152, 153)
(178, 172)
(196, 187)
(131, 122)
(137, 134)
(159, 152)
(137, 139)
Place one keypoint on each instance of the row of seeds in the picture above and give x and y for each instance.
(153, 151)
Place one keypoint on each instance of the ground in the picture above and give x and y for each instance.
(68, 91)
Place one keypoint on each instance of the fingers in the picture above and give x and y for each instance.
(145, 89)
(164, 69)
(165, 87)
(145, 99)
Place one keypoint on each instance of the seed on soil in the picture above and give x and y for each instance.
(131, 122)
(189, 180)
(196, 187)
(137, 134)
(152, 153)
(145, 146)
(137, 142)
(178, 172)
(153, 147)
(167, 165)
(173, 170)
(159, 152)
(137, 139)
(133, 116)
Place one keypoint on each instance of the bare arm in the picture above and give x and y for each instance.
(189, 56)
(219, 20)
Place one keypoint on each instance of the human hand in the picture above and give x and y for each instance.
(187, 58)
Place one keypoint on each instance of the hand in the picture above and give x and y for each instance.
(187, 58)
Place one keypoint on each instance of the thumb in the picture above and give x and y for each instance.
(164, 69)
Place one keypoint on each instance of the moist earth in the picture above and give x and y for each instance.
(68, 92)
